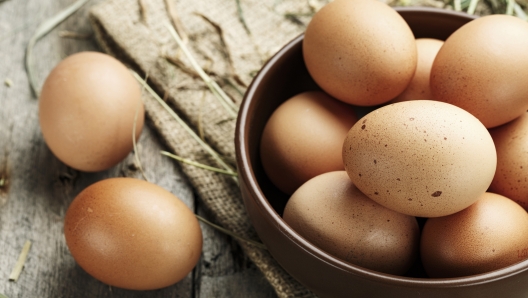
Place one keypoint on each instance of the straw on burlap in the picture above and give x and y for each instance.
(135, 32)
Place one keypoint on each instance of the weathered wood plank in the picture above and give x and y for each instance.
(40, 188)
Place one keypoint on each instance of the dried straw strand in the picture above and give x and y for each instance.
(241, 18)
(15, 274)
(41, 31)
(224, 100)
(134, 141)
(457, 5)
(472, 6)
(509, 7)
(228, 232)
(226, 49)
(197, 164)
(142, 11)
(176, 22)
(520, 12)
(8, 82)
(180, 121)
(74, 35)
(201, 131)
(182, 66)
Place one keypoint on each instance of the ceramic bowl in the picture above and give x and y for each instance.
(283, 76)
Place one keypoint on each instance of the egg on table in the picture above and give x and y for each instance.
(132, 234)
(88, 107)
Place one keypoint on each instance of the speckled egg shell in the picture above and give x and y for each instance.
(419, 88)
(488, 235)
(303, 138)
(483, 68)
(360, 51)
(421, 157)
(132, 234)
(333, 214)
(511, 178)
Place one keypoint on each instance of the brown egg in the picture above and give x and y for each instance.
(511, 178)
(87, 109)
(419, 86)
(334, 215)
(132, 234)
(483, 67)
(361, 52)
(422, 157)
(303, 138)
(488, 235)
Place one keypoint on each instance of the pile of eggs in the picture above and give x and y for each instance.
(125, 232)
(444, 143)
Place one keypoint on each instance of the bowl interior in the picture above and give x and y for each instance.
(285, 75)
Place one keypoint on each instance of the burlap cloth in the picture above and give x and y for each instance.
(231, 51)
(231, 39)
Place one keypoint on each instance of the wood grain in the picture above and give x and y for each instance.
(39, 187)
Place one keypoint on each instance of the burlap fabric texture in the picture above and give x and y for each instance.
(231, 43)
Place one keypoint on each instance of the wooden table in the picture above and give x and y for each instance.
(39, 188)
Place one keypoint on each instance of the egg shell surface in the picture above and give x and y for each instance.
(488, 235)
(360, 51)
(419, 87)
(423, 158)
(329, 211)
(132, 234)
(303, 138)
(483, 68)
(511, 177)
(87, 111)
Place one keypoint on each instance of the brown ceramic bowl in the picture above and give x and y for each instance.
(282, 77)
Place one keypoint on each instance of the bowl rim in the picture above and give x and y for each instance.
(247, 174)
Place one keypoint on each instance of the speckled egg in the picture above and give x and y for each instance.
(423, 158)
(488, 235)
(483, 68)
(333, 214)
(511, 178)
(360, 51)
